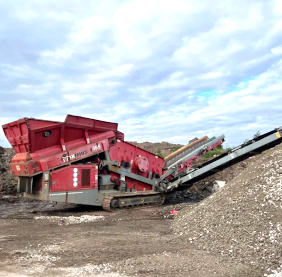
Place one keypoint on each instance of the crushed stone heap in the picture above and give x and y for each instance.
(243, 220)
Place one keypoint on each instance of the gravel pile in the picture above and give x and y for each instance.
(7, 181)
(229, 173)
(243, 220)
(200, 190)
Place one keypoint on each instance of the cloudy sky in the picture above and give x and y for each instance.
(164, 70)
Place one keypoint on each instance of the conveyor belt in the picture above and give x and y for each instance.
(185, 150)
(195, 149)
(235, 155)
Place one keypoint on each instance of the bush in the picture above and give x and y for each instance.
(160, 154)
(175, 148)
(216, 151)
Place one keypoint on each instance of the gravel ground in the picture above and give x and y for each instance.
(243, 221)
(137, 242)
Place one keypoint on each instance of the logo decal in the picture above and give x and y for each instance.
(67, 158)
(96, 147)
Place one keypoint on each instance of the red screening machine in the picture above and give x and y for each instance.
(87, 161)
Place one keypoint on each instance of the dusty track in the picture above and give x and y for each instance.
(124, 243)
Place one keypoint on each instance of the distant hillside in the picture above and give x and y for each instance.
(161, 149)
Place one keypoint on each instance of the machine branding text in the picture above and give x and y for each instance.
(66, 158)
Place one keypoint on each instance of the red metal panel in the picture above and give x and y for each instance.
(124, 151)
(39, 123)
(92, 123)
(28, 168)
(120, 135)
(18, 133)
(131, 183)
(134, 184)
(70, 178)
(38, 141)
(27, 164)
(31, 135)
(73, 133)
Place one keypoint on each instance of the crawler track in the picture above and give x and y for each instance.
(132, 200)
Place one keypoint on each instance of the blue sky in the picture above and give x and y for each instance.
(164, 70)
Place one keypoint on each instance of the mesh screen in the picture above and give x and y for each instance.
(85, 177)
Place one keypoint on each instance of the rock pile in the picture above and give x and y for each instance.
(7, 181)
(201, 189)
(227, 174)
(243, 220)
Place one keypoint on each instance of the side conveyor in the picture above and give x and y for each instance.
(235, 155)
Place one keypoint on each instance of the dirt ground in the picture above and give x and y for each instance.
(45, 239)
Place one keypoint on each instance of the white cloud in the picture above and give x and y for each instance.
(54, 57)
(214, 75)
(41, 89)
(59, 16)
(85, 30)
(87, 85)
(26, 15)
(31, 15)
(256, 107)
(278, 7)
(164, 70)
(277, 50)
(74, 97)
(115, 71)
(82, 33)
